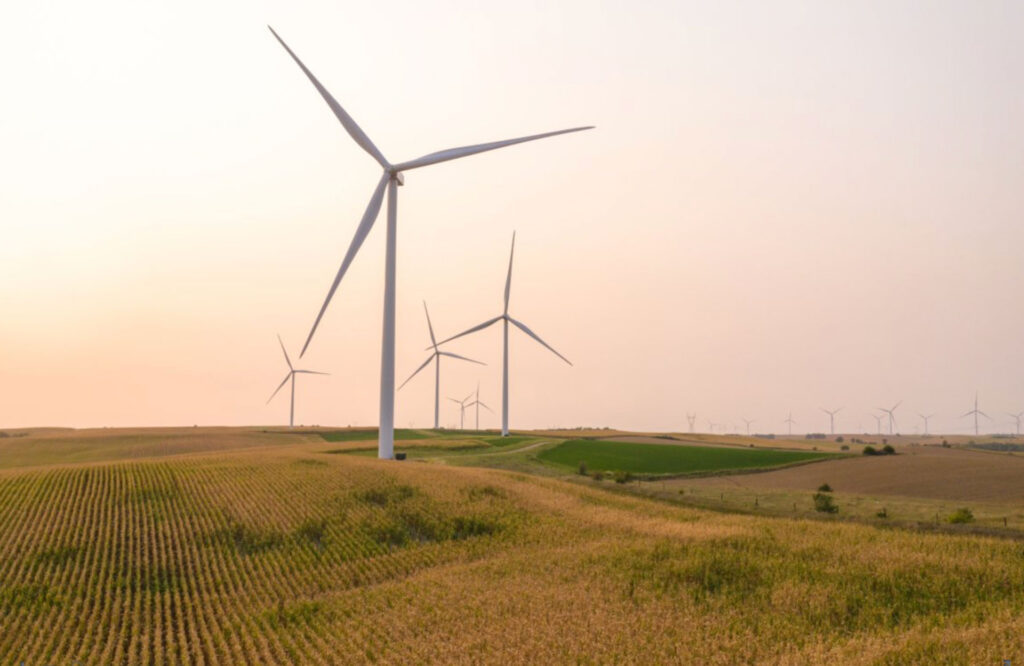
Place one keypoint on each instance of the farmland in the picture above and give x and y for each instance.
(265, 547)
(668, 458)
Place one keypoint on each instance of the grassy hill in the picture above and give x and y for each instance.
(284, 553)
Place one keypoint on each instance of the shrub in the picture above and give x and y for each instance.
(824, 488)
(623, 477)
(882, 513)
(839, 439)
(582, 469)
(824, 503)
(887, 450)
(961, 515)
(870, 450)
(844, 447)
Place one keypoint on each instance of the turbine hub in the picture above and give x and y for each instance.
(397, 176)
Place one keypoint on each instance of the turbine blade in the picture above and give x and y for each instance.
(985, 415)
(478, 327)
(485, 407)
(533, 335)
(369, 217)
(508, 279)
(465, 151)
(311, 372)
(896, 405)
(286, 359)
(279, 387)
(354, 131)
(425, 364)
(430, 326)
(461, 358)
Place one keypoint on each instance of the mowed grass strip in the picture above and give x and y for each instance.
(668, 458)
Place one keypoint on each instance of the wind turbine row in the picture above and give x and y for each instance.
(392, 177)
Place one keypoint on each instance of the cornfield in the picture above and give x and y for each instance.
(286, 554)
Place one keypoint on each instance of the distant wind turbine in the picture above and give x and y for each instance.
(976, 412)
(748, 422)
(892, 416)
(878, 422)
(712, 425)
(832, 418)
(476, 403)
(436, 357)
(462, 410)
(789, 421)
(1017, 417)
(925, 417)
(392, 177)
(290, 377)
(507, 319)
(692, 418)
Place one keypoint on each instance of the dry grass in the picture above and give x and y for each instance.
(282, 554)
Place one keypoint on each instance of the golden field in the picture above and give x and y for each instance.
(238, 546)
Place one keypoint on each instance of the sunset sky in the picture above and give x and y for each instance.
(784, 206)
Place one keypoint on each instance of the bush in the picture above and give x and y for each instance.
(961, 515)
(844, 447)
(839, 439)
(824, 503)
(824, 488)
(882, 513)
(623, 477)
(887, 450)
(870, 450)
(582, 469)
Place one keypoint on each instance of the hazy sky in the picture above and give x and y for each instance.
(784, 206)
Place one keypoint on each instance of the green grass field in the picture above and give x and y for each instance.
(668, 458)
(371, 435)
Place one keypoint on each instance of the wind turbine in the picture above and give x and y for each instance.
(832, 418)
(462, 410)
(290, 376)
(748, 422)
(878, 422)
(1017, 417)
(925, 418)
(976, 412)
(789, 421)
(892, 416)
(436, 357)
(392, 177)
(476, 403)
(506, 319)
(711, 426)
(692, 419)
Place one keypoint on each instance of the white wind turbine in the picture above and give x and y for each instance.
(789, 421)
(435, 356)
(390, 180)
(748, 422)
(892, 415)
(975, 412)
(1016, 417)
(506, 319)
(832, 418)
(291, 376)
(462, 410)
(476, 403)
(878, 422)
(691, 419)
(925, 417)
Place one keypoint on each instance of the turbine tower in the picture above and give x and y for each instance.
(506, 319)
(462, 410)
(290, 377)
(692, 419)
(925, 417)
(748, 422)
(832, 418)
(392, 177)
(436, 357)
(975, 412)
(878, 422)
(892, 416)
(789, 421)
(1017, 417)
(476, 403)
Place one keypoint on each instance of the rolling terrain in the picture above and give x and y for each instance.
(223, 546)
